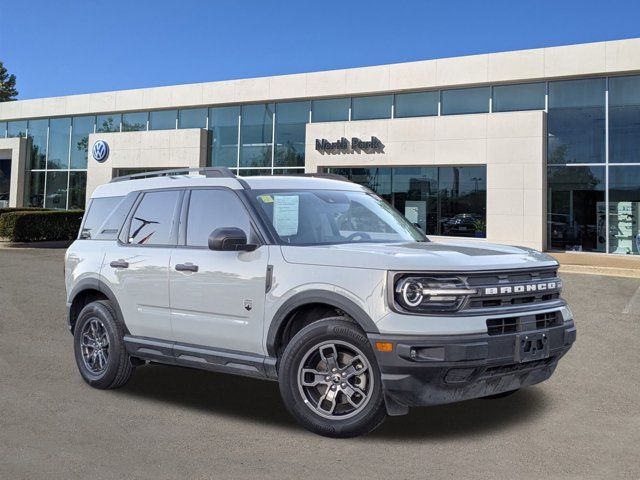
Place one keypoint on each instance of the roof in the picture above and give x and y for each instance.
(275, 182)
(610, 57)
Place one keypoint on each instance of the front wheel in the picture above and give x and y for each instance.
(330, 381)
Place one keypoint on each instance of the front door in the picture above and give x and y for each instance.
(217, 298)
(137, 271)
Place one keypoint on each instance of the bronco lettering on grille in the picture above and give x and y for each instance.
(532, 287)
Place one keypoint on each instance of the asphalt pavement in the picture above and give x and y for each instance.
(171, 422)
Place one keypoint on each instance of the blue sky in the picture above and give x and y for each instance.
(65, 47)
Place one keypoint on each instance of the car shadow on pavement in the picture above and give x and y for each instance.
(259, 401)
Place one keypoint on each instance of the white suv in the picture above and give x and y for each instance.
(312, 281)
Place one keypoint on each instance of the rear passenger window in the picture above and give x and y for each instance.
(211, 209)
(99, 210)
(152, 222)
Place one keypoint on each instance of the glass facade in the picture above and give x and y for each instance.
(256, 135)
(448, 201)
(593, 153)
(291, 122)
(523, 96)
(466, 100)
(420, 104)
(593, 192)
(368, 108)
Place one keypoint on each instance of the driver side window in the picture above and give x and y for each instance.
(214, 208)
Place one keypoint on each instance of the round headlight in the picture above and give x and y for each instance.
(411, 291)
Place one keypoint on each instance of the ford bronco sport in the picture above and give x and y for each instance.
(312, 281)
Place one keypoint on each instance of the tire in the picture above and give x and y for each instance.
(98, 331)
(501, 395)
(307, 378)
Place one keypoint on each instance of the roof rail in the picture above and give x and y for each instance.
(329, 176)
(209, 172)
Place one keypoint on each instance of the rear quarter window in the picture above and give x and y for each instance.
(105, 217)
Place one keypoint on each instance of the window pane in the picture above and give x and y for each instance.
(256, 135)
(525, 96)
(56, 190)
(82, 127)
(415, 195)
(420, 104)
(223, 124)
(77, 189)
(576, 121)
(366, 108)
(134, 122)
(3, 129)
(624, 119)
(17, 129)
(5, 182)
(211, 209)
(34, 189)
(463, 201)
(38, 139)
(291, 120)
(99, 210)
(465, 100)
(576, 212)
(163, 120)
(193, 118)
(288, 171)
(624, 210)
(331, 110)
(441, 200)
(152, 222)
(59, 132)
(376, 179)
(108, 123)
(252, 172)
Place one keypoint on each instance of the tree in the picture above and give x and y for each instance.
(8, 90)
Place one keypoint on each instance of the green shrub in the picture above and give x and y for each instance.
(22, 209)
(39, 225)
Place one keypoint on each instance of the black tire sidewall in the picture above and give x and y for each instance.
(335, 328)
(103, 313)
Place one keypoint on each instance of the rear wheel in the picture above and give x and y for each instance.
(330, 381)
(99, 347)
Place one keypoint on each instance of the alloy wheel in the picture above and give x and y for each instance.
(335, 380)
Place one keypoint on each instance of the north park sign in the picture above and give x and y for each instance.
(345, 145)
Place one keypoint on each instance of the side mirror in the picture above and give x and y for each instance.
(230, 239)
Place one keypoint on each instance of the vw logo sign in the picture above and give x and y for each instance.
(100, 151)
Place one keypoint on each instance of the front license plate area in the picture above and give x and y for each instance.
(531, 346)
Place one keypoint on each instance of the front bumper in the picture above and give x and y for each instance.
(432, 370)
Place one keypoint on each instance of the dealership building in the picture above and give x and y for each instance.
(539, 147)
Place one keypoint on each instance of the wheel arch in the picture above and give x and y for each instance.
(286, 314)
(87, 291)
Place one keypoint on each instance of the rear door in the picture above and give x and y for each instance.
(217, 298)
(136, 268)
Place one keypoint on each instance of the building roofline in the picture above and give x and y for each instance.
(599, 58)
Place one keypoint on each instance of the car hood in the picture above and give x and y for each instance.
(431, 256)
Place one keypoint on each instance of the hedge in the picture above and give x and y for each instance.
(39, 225)
(22, 209)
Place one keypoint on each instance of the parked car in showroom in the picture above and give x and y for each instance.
(311, 281)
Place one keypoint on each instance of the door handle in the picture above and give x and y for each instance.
(186, 267)
(119, 264)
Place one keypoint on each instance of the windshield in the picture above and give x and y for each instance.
(326, 217)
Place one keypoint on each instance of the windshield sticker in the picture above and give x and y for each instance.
(285, 214)
(266, 198)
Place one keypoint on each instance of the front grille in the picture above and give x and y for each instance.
(523, 323)
(517, 281)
